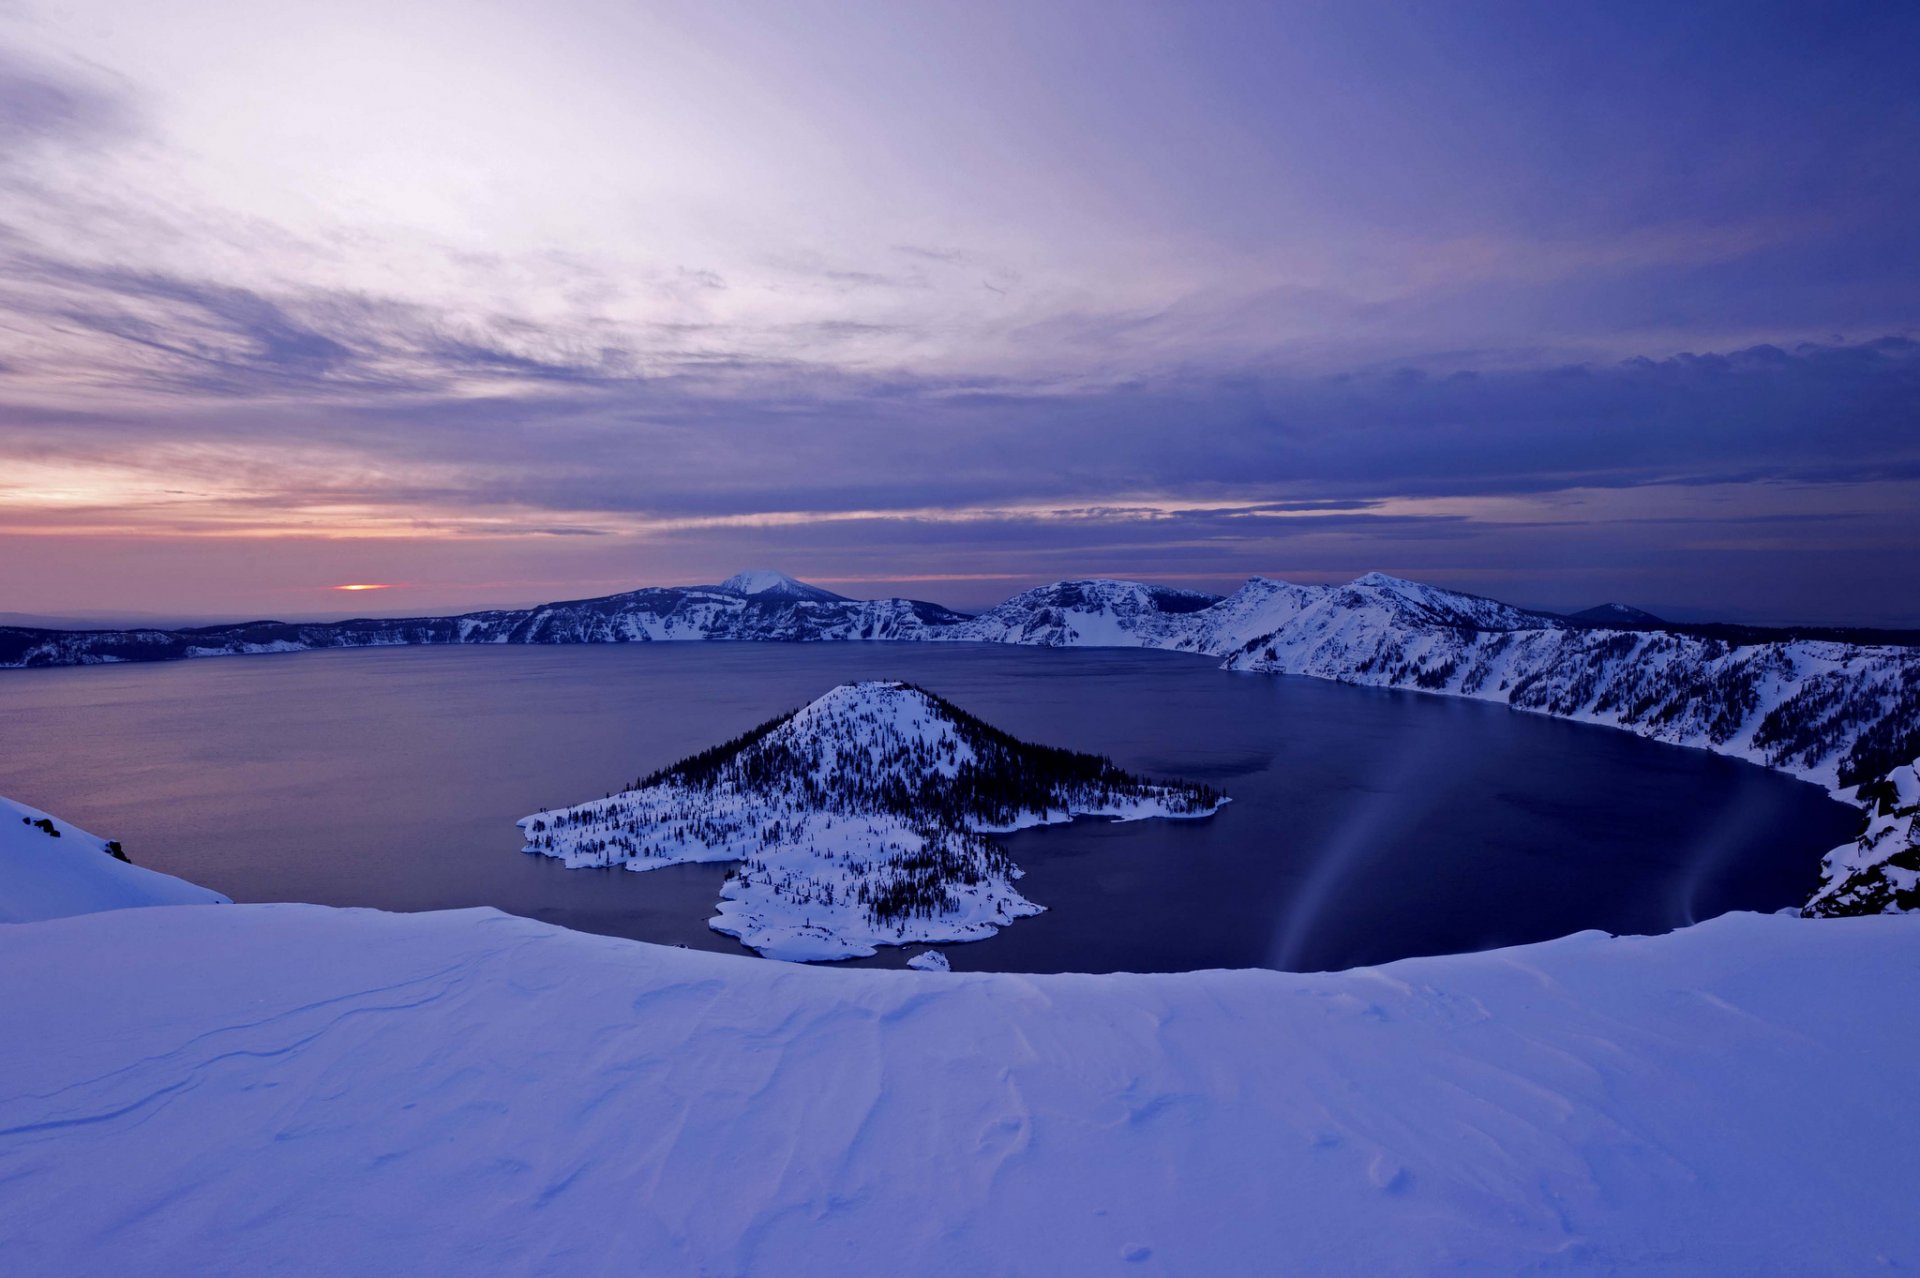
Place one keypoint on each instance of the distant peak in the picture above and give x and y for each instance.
(765, 581)
(1381, 580)
(1618, 614)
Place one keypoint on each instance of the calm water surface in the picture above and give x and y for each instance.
(1366, 825)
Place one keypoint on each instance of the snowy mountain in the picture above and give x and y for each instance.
(1617, 615)
(858, 821)
(1837, 708)
(50, 868)
(1833, 713)
(1091, 613)
(764, 583)
(750, 606)
(298, 1090)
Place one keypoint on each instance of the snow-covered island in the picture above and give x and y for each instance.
(859, 820)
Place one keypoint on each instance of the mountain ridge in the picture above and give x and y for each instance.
(1838, 708)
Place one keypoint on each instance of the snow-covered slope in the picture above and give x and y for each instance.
(763, 582)
(50, 868)
(299, 1090)
(857, 821)
(1879, 871)
(1094, 613)
(1833, 713)
(1838, 714)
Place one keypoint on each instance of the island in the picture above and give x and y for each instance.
(860, 820)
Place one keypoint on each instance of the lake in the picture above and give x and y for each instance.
(1366, 824)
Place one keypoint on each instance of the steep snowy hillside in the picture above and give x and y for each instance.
(50, 869)
(857, 821)
(1839, 714)
(298, 1090)
(1833, 713)
(1086, 614)
(1880, 871)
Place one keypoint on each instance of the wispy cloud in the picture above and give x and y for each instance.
(651, 288)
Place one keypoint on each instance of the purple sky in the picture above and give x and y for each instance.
(497, 303)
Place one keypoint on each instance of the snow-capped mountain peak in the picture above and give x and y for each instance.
(1434, 605)
(765, 581)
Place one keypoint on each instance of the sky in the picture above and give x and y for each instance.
(491, 303)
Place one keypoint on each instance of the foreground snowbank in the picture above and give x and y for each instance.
(306, 1090)
(51, 868)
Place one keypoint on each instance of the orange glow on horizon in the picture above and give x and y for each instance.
(365, 585)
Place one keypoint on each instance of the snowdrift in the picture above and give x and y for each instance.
(302, 1090)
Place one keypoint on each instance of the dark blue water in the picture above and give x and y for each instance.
(1366, 825)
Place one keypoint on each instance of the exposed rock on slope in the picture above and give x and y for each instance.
(1880, 871)
(857, 821)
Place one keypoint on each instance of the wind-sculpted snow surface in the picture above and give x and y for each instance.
(297, 1090)
(857, 821)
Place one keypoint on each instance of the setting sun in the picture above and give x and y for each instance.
(365, 585)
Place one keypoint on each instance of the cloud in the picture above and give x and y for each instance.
(406, 406)
(42, 104)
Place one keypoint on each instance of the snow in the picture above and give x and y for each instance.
(765, 581)
(930, 961)
(810, 862)
(1800, 706)
(44, 876)
(302, 1090)
(1096, 613)
(1864, 876)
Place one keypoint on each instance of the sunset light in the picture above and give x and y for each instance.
(1330, 594)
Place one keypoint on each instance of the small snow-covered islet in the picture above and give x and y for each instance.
(859, 820)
